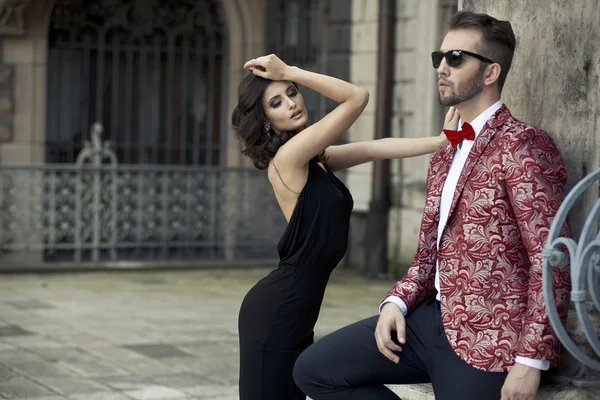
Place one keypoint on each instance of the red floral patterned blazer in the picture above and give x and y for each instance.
(490, 255)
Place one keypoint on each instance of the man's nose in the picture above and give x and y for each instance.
(443, 68)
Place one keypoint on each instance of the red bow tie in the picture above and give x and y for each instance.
(455, 137)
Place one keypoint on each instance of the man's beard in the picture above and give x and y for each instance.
(471, 89)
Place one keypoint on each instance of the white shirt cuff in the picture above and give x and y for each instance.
(544, 365)
(397, 301)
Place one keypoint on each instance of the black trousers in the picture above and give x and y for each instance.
(347, 364)
(266, 374)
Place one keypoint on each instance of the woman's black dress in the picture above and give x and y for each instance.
(279, 313)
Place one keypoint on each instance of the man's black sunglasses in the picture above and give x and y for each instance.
(454, 57)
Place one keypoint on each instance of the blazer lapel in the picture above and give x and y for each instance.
(481, 142)
(441, 168)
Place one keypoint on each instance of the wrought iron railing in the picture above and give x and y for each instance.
(584, 259)
(154, 72)
(98, 210)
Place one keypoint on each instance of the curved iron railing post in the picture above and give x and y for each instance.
(94, 153)
(584, 259)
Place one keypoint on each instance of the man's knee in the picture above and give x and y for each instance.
(304, 370)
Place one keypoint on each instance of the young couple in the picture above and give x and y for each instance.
(470, 310)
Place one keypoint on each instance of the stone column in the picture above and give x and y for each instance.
(245, 21)
(420, 26)
(12, 25)
(22, 120)
(554, 84)
(420, 29)
(23, 33)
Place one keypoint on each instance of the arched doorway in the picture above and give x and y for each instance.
(169, 190)
(149, 75)
(150, 71)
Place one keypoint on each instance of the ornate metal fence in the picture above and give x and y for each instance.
(153, 71)
(584, 258)
(99, 211)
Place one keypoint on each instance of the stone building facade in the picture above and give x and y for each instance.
(56, 81)
(69, 63)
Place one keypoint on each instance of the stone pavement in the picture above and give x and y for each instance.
(140, 335)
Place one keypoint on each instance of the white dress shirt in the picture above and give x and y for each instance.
(458, 162)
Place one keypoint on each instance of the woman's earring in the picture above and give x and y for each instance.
(268, 130)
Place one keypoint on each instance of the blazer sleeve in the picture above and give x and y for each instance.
(418, 283)
(535, 178)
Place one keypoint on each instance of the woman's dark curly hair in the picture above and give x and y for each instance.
(248, 122)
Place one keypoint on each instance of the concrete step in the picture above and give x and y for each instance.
(547, 392)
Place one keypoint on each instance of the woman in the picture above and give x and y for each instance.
(279, 313)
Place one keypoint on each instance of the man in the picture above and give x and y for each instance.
(469, 315)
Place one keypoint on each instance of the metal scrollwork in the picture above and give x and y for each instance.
(100, 210)
(12, 17)
(140, 16)
(584, 257)
(153, 71)
(94, 205)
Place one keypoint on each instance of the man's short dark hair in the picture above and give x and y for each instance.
(498, 40)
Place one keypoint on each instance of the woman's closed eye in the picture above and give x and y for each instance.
(277, 102)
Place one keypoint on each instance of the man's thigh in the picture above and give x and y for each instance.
(446, 368)
(349, 357)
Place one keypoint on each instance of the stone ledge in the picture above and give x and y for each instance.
(547, 392)
(413, 392)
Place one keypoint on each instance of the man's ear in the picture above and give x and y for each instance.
(492, 74)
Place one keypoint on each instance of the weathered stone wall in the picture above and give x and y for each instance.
(554, 84)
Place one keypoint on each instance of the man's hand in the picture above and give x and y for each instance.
(522, 383)
(390, 319)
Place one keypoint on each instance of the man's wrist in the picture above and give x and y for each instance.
(397, 301)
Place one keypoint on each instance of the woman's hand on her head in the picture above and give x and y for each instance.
(269, 67)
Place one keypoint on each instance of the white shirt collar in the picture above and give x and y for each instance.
(479, 122)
